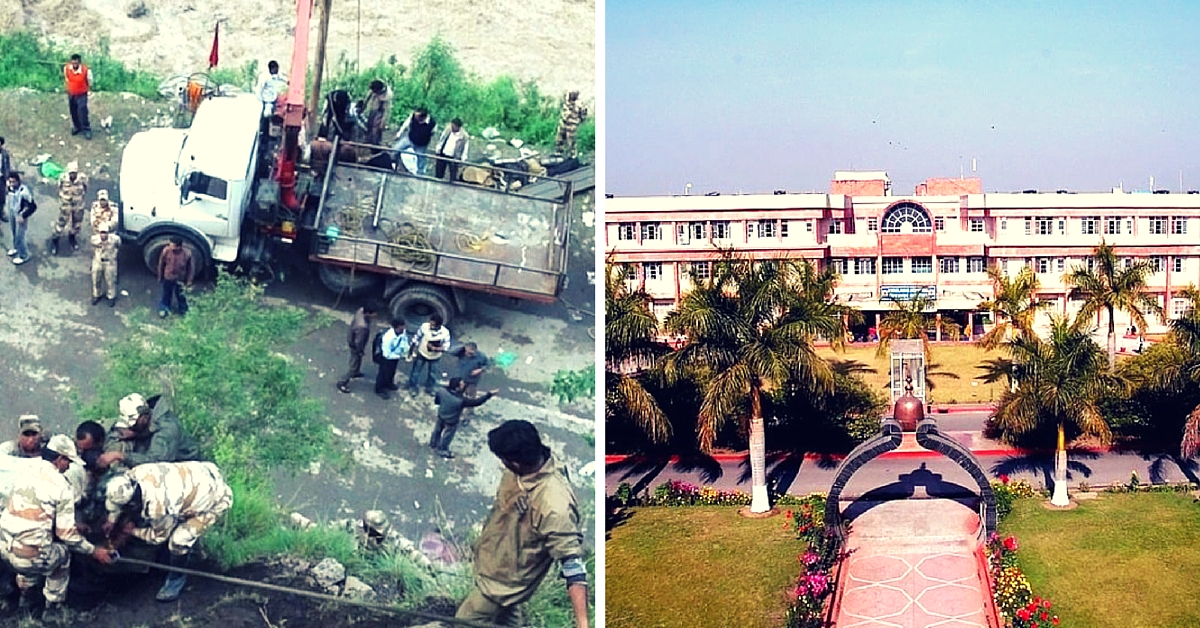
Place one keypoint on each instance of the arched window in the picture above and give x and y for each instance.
(906, 218)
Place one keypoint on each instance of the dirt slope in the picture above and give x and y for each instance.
(550, 41)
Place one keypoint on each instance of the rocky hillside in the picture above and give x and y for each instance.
(551, 41)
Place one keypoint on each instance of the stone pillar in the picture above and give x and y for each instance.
(971, 326)
(937, 327)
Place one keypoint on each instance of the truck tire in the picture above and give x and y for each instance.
(341, 281)
(416, 304)
(153, 249)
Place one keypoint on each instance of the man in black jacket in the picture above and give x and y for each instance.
(415, 135)
(450, 402)
(357, 339)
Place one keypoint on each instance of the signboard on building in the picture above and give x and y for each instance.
(907, 293)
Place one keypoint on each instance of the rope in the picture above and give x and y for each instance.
(302, 593)
(471, 243)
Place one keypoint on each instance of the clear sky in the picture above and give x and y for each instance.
(758, 96)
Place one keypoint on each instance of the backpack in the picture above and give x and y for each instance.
(27, 208)
(377, 348)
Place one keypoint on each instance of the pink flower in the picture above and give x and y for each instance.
(800, 591)
(810, 558)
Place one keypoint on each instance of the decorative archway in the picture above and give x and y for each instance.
(930, 438)
(906, 217)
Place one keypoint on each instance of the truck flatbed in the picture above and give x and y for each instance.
(455, 234)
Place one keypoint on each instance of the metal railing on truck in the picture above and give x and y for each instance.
(384, 221)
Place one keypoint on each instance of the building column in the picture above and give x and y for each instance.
(937, 327)
(971, 326)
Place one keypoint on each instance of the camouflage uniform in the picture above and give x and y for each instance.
(104, 264)
(104, 214)
(70, 195)
(572, 116)
(41, 511)
(181, 501)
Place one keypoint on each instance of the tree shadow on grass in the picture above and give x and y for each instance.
(1159, 469)
(1042, 463)
(905, 487)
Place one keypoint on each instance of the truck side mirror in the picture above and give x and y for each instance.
(185, 188)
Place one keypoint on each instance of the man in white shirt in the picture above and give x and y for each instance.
(397, 345)
(454, 143)
(270, 86)
(433, 339)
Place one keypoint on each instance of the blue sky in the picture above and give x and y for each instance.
(759, 96)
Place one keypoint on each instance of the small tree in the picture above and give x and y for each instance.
(1014, 306)
(908, 320)
(631, 349)
(1108, 287)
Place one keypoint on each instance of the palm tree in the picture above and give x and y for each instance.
(907, 320)
(1183, 368)
(1058, 380)
(1110, 288)
(1014, 306)
(749, 332)
(630, 347)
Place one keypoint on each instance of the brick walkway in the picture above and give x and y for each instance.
(913, 565)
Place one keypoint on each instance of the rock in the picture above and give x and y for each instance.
(301, 521)
(516, 143)
(490, 133)
(136, 9)
(328, 574)
(588, 470)
(356, 588)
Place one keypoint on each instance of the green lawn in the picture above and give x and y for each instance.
(698, 567)
(952, 370)
(1120, 561)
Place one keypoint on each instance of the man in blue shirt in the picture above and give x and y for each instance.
(396, 346)
(471, 365)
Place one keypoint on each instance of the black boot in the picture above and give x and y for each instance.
(54, 245)
(175, 581)
(74, 242)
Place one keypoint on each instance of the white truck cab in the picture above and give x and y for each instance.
(195, 183)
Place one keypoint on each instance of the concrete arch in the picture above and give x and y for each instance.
(889, 439)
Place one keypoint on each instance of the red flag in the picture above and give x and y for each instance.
(212, 56)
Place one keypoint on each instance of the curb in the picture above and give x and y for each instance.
(924, 453)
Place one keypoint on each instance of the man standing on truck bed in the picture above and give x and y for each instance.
(72, 188)
(415, 134)
(433, 339)
(175, 269)
(78, 78)
(572, 115)
(453, 144)
(378, 110)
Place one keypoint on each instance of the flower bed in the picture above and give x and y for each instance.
(1018, 606)
(677, 493)
(814, 586)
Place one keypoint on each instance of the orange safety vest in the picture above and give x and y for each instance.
(77, 82)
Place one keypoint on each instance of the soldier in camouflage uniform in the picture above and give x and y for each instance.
(172, 503)
(72, 188)
(573, 114)
(104, 264)
(103, 212)
(30, 438)
(37, 529)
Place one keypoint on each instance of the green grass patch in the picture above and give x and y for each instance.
(1120, 561)
(27, 61)
(698, 567)
(951, 373)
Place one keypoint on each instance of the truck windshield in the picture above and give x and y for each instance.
(200, 183)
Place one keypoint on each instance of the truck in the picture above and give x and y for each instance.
(235, 187)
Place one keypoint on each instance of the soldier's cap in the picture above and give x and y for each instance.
(73, 166)
(29, 423)
(120, 491)
(62, 445)
(102, 195)
(131, 407)
(376, 521)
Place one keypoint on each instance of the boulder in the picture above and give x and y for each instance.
(356, 588)
(328, 574)
(136, 9)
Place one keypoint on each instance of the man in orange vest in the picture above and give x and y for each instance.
(78, 82)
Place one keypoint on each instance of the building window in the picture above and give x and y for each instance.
(652, 270)
(976, 225)
(1126, 262)
(1043, 264)
(893, 265)
(1028, 226)
(1157, 264)
(1091, 264)
(907, 217)
(1004, 224)
(922, 265)
(1179, 226)
(1061, 264)
(1112, 226)
(651, 231)
(939, 224)
(864, 266)
(701, 270)
(838, 265)
(872, 224)
(948, 264)
(976, 265)
(1062, 226)
(1178, 265)
(720, 229)
(1090, 226)
(808, 226)
(1179, 308)
(1129, 227)
(1158, 225)
(835, 226)
(1045, 226)
(783, 228)
(627, 231)
(761, 228)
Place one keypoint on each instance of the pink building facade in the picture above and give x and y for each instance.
(936, 242)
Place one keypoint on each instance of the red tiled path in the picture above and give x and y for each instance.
(912, 564)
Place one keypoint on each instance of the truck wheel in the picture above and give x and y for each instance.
(416, 304)
(340, 280)
(153, 250)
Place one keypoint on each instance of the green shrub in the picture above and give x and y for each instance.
(571, 385)
(29, 61)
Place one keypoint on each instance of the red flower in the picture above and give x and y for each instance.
(1004, 478)
(1046, 604)
(1054, 620)
(1044, 616)
(1010, 543)
(787, 514)
(1024, 614)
